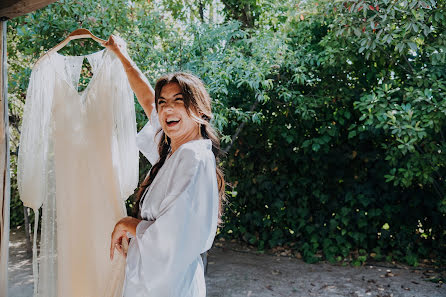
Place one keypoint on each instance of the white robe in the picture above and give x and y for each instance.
(180, 212)
(78, 157)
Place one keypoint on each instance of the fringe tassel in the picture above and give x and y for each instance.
(35, 270)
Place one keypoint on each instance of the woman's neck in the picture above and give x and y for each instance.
(176, 143)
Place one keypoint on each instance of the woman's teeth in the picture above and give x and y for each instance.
(172, 123)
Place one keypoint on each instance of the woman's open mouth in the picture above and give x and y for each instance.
(172, 123)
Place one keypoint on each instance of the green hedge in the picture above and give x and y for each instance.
(349, 157)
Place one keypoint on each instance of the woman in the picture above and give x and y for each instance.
(179, 201)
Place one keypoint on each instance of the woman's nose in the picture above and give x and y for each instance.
(169, 107)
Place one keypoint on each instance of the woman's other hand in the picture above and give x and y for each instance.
(117, 45)
(127, 224)
(138, 81)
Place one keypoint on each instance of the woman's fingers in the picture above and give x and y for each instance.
(113, 243)
(125, 244)
(112, 247)
(109, 41)
(119, 248)
(115, 239)
(115, 43)
(119, 239)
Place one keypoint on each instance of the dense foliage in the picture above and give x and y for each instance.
(332, 113)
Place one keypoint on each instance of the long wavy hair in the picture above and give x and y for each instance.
(197, 102)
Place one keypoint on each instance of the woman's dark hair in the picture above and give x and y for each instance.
(197, 100)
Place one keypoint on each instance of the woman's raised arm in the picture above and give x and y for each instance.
(138, 81)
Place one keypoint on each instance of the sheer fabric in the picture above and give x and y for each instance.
(78, 159)
(179, 223)
(149, 137)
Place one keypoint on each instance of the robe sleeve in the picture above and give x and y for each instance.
(34, 149)
(125, 151)
(149, 137)
(185, 226)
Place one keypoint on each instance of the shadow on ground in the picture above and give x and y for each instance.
(235, 271)
(20, 275)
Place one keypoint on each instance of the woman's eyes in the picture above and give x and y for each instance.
(160, 102)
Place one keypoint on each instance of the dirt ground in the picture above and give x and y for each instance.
(235, 271)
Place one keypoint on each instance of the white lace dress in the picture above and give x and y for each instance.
(180, 210)
(78, 158)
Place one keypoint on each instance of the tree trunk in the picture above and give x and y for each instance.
(201, 10)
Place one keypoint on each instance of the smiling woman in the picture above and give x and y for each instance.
(184, 113)
(179, 202)
(176, 121)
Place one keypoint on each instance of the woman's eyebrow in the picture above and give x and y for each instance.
(161, 97)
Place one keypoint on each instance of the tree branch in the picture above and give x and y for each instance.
(239, 129)
(408, 63)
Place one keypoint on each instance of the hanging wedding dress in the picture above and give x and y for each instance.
(78, 159)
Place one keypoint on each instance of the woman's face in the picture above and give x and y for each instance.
(176, 123)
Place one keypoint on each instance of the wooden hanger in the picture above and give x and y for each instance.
(76, 34)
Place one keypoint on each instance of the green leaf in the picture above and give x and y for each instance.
(412, 46)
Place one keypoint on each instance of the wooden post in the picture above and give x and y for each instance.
(15, 8)
(4, 165)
